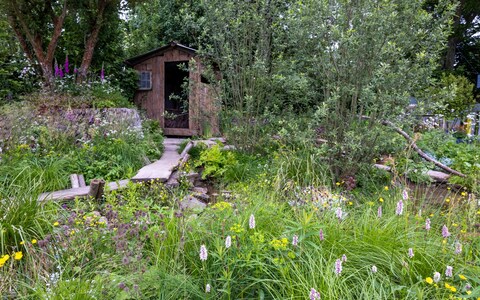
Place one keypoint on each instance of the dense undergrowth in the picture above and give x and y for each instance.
(275, 236)
(41, 146)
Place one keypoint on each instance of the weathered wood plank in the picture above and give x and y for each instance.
(162, 168)
(81, 192)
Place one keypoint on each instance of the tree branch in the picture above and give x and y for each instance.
(419, 151)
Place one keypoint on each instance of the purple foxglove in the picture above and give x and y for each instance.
(251, 222)
(427, 224)
(338, 267)
(449, 271)
(405, 195)
(379, 212)
(60, 72)
(445, 232)
(458, 248)
(228, 242)
(436, 277)
(399, 210)
(374, 269)
(314, 295)
(208, 288)
(344, 258)
(203, 253)
(410, 252)
(295, 240)
(321, 235)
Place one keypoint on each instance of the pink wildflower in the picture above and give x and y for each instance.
(445, 232)
(449, 271)
(399, 210)
(338, 267)
(203, 253)
(251, 222)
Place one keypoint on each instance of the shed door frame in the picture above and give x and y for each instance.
(175, 98)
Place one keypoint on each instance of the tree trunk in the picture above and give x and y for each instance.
(454, 39)
(92, 41)
(45, 60)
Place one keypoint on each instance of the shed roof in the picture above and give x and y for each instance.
(159, 51)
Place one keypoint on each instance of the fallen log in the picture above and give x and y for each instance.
(419, 151)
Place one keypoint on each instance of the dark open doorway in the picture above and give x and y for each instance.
(176, 94)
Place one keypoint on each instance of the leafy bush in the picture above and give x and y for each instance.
(215, 161)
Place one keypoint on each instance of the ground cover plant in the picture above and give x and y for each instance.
(270, 239)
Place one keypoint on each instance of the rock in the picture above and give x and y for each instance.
(200, 190)
(173, 180)
(192, 203)
(203, 197)
(438, 176)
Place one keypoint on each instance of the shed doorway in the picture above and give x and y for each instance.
(176, 95)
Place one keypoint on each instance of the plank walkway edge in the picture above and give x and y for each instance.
(70, 194)
(159, 171)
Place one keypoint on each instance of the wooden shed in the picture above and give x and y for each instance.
(172, 90)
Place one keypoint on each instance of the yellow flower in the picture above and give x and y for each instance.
(18, 255)
(22, 243)
(338, 183)
(56, 224)
(447, 200)
(381, 200)
(431, 215)
(453, 289)
(34, 241)
(350, 203)
(455, 225)
(462, 277)
(444, 241)
(463, 231)
(386, 188)
(464, 194)
(447, 285)
(429, 280)
(370, 203)
(469, 292)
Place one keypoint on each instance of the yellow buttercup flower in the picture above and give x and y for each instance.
(56, 224)
(464, 194)
(18, 255)
(386, 188)
(462, 277)
(34, 241)
(447, 200)
(22, 243)
(469, 292)
(381, 200)
(429, 280)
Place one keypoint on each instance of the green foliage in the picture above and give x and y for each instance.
(42, 151)
(155, 23)
(459, 99)
(463, 157)
(367, 64)
(215, 161)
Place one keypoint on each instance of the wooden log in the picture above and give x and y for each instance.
(75, 181)
(184, 160)
(417, 149)
(420, 152)
(187, 148)
(96, 188)
(81, 180)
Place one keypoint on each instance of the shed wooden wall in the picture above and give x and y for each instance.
(202, 107)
